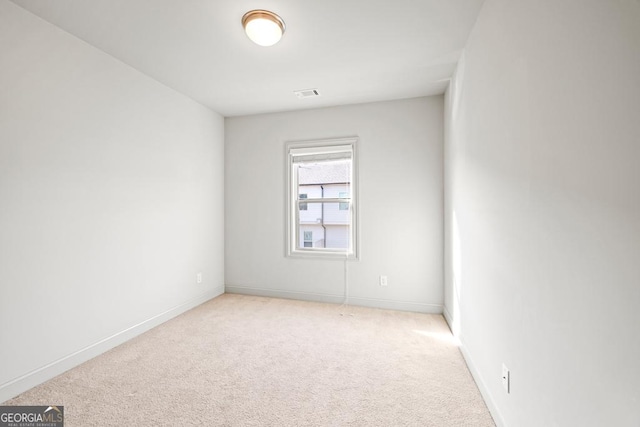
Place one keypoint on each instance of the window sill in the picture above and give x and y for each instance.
(321, 254)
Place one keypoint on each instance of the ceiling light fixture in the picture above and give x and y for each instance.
(263, 27)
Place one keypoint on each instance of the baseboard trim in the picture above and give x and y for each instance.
(447, 317)
(337, 299)
(31, 379)
(484, 391)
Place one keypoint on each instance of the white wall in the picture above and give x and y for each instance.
(111, 200)
(543, 210)
(400, 159)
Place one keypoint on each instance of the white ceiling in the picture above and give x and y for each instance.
(351, 50)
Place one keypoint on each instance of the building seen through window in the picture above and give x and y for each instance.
(324, 224)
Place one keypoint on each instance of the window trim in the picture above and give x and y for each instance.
(291, 189)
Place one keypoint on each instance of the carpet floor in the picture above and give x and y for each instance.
(251, 361)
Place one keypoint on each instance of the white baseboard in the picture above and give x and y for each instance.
(338, 299)
(447, 317)
(53, 369)
(484, 391)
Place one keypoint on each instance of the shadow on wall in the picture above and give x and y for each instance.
(456, 263)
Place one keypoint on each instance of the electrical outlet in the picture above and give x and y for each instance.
(383, 280)
(506, 383)
(199, 278)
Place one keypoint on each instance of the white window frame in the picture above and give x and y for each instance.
(292, 149)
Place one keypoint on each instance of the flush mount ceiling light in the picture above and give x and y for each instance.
(263, 27)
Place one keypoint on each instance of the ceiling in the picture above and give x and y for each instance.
(352, 51)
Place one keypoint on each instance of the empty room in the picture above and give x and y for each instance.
(335, 213)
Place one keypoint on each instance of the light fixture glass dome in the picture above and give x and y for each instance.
(263, 27)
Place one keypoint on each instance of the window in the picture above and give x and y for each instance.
(344, 206)
(303, 206)
(321, 198)
(308, 238)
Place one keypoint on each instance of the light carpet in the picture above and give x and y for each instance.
(252, 361)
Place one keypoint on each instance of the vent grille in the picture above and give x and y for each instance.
(306, 93)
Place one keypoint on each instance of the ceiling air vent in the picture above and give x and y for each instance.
(306, 93)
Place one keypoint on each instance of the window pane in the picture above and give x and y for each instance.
(303, 206)
(325, 226)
